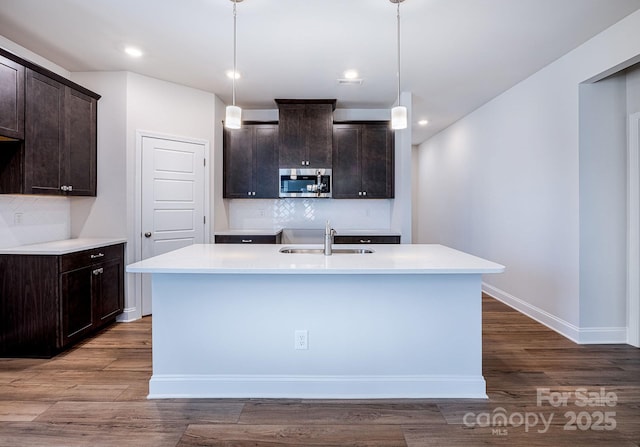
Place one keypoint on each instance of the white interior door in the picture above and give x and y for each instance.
(173, 200)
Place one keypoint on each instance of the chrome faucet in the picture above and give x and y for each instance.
(328, 239)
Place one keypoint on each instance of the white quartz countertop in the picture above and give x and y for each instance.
(266, 259)
(60, 247)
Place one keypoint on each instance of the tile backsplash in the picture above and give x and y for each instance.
(32, 219)
(309, 214)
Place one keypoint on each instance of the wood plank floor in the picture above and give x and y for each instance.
(95, 395)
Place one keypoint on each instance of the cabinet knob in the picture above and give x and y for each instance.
(64, 188)
(364, 193)
(147, 234)
(359, 193)
(70, 188)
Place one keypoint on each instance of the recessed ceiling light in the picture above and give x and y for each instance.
(229, 74)
(133, 51)
(423, 122)
(351, 74)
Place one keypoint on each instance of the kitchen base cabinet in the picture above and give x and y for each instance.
(364, 239)
(248, 238)
(50, 302)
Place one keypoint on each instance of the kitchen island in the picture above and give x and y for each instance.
(236, 321)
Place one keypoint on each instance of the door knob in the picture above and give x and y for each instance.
(147, 234)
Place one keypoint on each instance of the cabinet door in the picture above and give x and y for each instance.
(108, 292)
(346, 161)
(79, 155)
(11, 99)
(76, 293)
(266, 164)
(292, 153)
(238, 163)
(318, 132)
(377, 161)
(44, 139)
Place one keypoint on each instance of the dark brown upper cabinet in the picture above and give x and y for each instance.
(11, 99)
(305, 132)
(363, 161)
(59, 151)
(251, 162)
(60, 139)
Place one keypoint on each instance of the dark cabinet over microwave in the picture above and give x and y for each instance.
(57, 152)
(363, 161)
(305, 132)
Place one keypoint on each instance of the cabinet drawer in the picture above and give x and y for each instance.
(248, 239)
(366, 239)
(83, 258)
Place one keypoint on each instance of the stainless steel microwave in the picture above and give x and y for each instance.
(305, 182)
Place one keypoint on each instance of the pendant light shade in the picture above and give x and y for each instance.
(399, 117)
(233, 115)
(398, 113)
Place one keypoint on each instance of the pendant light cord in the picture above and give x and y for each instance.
(398, 40)
(235, 73)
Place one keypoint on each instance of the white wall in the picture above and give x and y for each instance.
(503, 183)
(104, 215)
(603, 202)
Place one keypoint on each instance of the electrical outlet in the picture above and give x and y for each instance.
(301, 339)
(18, 218)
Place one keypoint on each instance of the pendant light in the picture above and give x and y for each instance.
(398, 113)
(233, 116)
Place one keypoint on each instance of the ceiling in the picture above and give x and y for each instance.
(456, 54)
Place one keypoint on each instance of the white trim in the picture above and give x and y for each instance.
(315, 387)
(589, 335)
(633, 231)
(136, 311)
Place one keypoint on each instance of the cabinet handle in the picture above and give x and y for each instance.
(99, 271)
(359, 193)
(99, 255)
(365, 241)
(247, 241)
(364, 193)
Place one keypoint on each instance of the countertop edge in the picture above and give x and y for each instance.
(61, 247)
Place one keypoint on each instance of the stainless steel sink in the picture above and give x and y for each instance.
(319, 251)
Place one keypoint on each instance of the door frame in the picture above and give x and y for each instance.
(633, 231)
(137, 203)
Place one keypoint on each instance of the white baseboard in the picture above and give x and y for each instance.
(128, 315)
(316, 387)
(587, 335)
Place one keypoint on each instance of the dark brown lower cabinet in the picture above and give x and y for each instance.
(49, 302)
(365, 239)
(248, 239)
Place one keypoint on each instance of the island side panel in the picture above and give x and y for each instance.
(369, 336)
